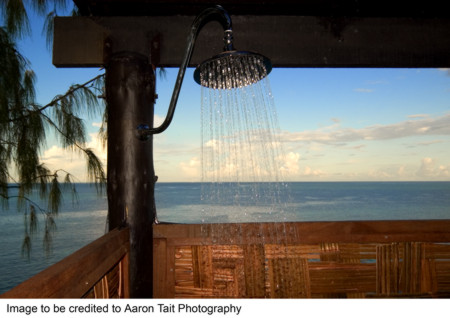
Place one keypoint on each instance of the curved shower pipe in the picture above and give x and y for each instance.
(216, 13)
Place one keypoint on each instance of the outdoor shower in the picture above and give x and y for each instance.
(230, 69)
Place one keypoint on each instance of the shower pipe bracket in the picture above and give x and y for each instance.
(216, 13)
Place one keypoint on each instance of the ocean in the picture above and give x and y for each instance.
(81, 223)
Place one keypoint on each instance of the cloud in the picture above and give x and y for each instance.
(73, 162)
(358, 147)
(447, 70)
(97, 124)
(157, 120)
(335, 120)
(420, 127)
(54, 153)
(191, 169)
(431, 142)
(308, 171)
(419, 116)
(290, 164)
(430, 168)
(363, 90)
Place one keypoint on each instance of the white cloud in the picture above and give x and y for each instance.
(430, 168)
(426, 168)
(73, 162)
(363, 90)
(191, 169)
(418, 116)
(59, 158)
(290, 164)
(308, 171)
(419, 127)
(157, 120)
(378, 174)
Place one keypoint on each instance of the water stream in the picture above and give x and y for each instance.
(241, 153)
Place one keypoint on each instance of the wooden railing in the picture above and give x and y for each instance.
(98, 270)
(303, 260)
(249, 260)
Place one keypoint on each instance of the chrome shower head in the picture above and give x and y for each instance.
(232, 69)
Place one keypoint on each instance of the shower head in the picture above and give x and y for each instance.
(232, 69)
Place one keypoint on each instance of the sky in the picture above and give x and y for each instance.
(335, 124)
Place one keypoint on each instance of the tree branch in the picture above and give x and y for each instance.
(56, 100)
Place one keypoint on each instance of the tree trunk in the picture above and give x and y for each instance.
(130, 95)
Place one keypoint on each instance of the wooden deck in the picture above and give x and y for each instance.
(263, 260)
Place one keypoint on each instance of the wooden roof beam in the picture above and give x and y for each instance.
(289, 41)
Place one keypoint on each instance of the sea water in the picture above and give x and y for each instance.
(313, 201)
(77, 224)
(81, 223)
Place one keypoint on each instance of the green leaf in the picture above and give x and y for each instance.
(95, 170)
(16, 18)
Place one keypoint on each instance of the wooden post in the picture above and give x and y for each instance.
(130, 95)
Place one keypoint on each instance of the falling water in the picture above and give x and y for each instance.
(241, 152)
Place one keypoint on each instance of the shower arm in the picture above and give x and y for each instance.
(216, 13)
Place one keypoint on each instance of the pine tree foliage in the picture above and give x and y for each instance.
(25, 124)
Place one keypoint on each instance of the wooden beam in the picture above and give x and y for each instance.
(289, 41)
(306, 232)
(375, 8)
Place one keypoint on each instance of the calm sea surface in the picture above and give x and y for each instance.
(80, 224)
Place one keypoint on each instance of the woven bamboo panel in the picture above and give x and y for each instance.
(306, 260)
(325, 270)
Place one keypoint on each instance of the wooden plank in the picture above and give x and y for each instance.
(443, 276)
(436, 250)
(160, 268)
(311, 232)
(289, 41)
(170, 263)
(76, 274)
(428, 281)
(202, 266)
